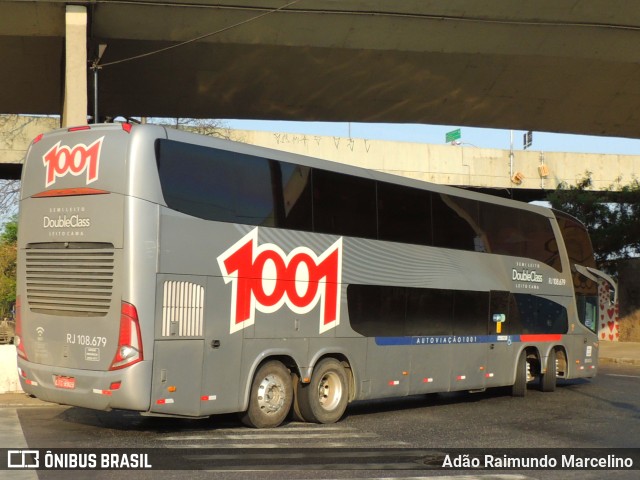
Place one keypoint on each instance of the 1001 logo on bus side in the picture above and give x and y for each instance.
(264, 278)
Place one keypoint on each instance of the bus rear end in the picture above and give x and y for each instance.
(78, 332)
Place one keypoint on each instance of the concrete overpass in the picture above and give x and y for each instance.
(526, 178)
(545, 65)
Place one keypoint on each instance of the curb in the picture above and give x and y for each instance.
(619, 361)
(19, 399)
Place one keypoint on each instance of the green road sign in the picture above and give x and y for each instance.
(453, 136)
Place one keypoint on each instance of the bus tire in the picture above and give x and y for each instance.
(271, 396)
(519, 388)
(296, 416)
(324, 399)
(548, 380)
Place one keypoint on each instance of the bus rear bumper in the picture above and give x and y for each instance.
(126, 389)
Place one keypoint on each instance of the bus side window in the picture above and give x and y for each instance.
(296, 212)
(429, 312)
(404, 214)
(470, 312)
(344, 204)
(452, 224)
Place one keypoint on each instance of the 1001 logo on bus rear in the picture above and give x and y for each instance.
(61, 160)
(264, 278)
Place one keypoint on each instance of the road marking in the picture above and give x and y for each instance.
(274, 435)
(484, 476)
(621, 375)
(316, 436)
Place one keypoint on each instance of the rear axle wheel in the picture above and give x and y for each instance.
(324, 399)
(270, 398)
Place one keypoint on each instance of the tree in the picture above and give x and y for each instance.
(9, 191)
(612, 217)
(10, 233)
(15, 135)
(202, 126)
(8, 254)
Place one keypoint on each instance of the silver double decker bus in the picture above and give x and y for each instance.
(180, 275)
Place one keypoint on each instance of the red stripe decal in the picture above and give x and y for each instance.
(551, 337)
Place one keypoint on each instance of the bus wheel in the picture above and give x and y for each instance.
(270, 398)
(548, 380)
(519, 388)
(325, 398)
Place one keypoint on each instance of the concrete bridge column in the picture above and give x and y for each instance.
(74, 111)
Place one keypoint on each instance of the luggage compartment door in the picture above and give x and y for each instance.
(177, 377)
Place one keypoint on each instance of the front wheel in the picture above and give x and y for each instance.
(325, 398)
(270, 398)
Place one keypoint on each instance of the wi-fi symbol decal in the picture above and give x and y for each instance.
(40, 331)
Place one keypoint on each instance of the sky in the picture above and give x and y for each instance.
(470, 136)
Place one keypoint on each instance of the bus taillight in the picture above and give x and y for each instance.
(129, 349)
(18, 335)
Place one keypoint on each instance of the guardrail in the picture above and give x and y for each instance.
(9, 382)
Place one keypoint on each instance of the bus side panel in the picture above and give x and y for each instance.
(177, 376)
(194, 302)
(221, 381)
(582, 352)
(430, 368)
(501, 363)
(582, 347)
(388, 369)
(468, 365)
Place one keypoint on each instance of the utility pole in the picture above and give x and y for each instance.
(95, 67)
(511, 155)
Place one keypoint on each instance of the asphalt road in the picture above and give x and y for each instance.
(381, 439)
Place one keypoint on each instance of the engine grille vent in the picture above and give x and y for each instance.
(70, 279)
(182, 309)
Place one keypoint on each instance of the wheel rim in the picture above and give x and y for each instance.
(271, 394)
(329, 391)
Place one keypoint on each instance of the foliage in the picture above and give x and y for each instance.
(8, 254)
(9, 191)
(612, 217)
(10, 234)
(209, 127)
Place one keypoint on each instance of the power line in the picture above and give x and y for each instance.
(196, 39)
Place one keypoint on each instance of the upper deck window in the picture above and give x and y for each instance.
(228, 186)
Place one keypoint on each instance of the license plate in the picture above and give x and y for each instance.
(64, 382)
